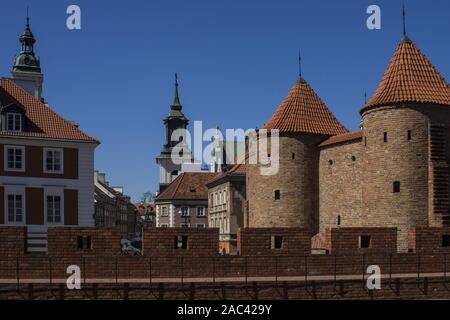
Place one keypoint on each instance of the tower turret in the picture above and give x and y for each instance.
(27, 67)
(289, 198)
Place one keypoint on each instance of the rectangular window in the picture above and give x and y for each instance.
(181, 242)
(396, 186)
(14, 122)
(164, 211)
(164, 225)
(201, 225)
(185, 225)
(276, 242)
(446, 240)
(184, 211)
(14, 158)
(385, 137)
(84, 242)
(53, 209)
(364, 242)
(15, 208)
(200, 211)
(409, 135)
(53, 160)
(277, 195)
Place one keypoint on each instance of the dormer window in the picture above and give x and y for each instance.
(14, 122)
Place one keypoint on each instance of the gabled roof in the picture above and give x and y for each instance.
(410, 77)
(303, 111)
(187, 186)
(343, 138)
(42, 122)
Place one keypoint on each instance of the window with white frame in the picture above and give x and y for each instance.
(53, 160)
(54, 208)
(201, 225)
(184, 211)
(164, 211)
(200, 211)
(14, 158)
(15, 207)
(185, 225)
(164, 225)
(14, 122)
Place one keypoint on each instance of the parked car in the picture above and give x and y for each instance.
(130, 247)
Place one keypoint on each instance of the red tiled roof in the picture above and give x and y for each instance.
(410, 77)
(42, 122)
(345, 137)
(303, 111)
(237, 169)
(144, 206)
(188, 185)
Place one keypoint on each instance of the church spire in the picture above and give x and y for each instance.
(176, 105)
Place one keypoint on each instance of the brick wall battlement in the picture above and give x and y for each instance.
(165, 258)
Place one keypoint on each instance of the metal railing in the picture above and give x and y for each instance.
(185, 269)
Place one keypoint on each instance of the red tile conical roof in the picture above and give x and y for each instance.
(303, 111)
(410, 77)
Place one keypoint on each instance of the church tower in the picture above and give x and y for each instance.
(171, 165)
(27, 67)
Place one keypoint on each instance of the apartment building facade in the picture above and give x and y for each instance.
(184, 203)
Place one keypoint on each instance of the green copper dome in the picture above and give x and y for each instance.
(27, 60)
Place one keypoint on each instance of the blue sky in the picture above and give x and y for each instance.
(236, 61)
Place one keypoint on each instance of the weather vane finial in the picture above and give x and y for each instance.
(28, 17)
(299, 65)
(404, 20)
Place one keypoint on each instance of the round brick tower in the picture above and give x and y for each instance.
(289, 197)
(405, 171)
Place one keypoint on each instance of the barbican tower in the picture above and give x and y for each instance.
(290, 197)
(406, 141)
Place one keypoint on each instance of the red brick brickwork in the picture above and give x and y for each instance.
(261, 241)
(75, 241)
(168, 241)
(12, 241)
(430, 240)
(361, 240)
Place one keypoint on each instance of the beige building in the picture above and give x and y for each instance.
(226, 200)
